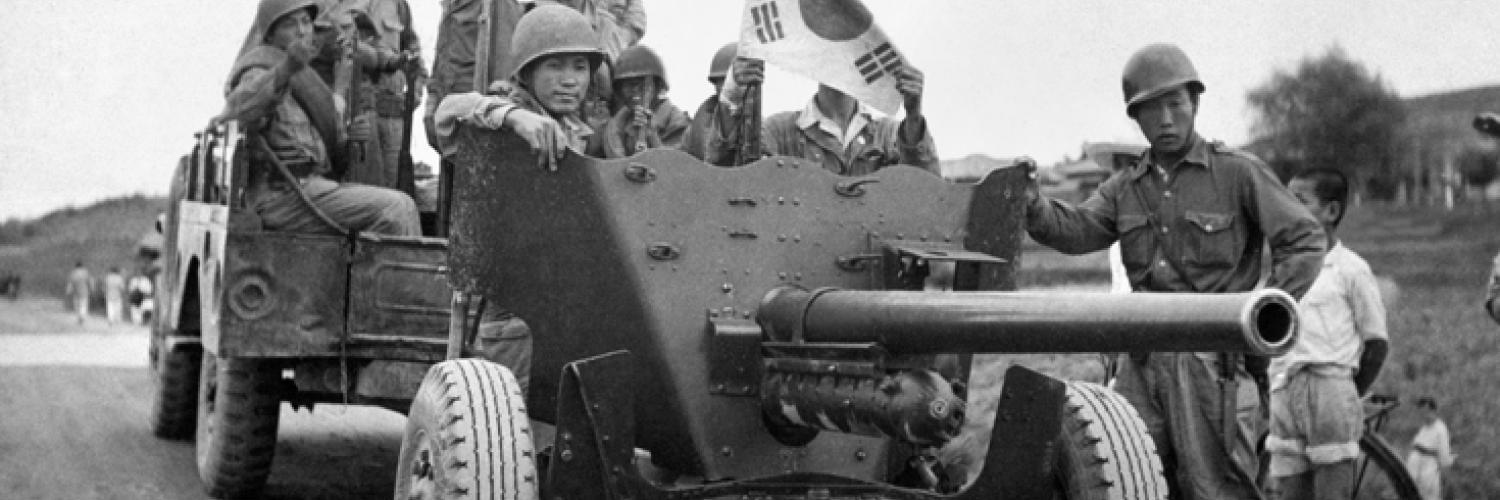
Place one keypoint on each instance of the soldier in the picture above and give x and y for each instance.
(555, 53)
(369, 66)
(834, 129)
(617, 25)
(272, 92)
(648, 120)
(397, 69)
(696, 141)
(1191, 216)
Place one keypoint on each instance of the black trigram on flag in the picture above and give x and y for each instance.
(767, 22)
(879, 62)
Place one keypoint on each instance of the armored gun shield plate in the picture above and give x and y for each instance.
(641, 253)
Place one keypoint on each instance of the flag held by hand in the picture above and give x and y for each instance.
(834, 42)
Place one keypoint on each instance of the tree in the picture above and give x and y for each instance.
(1332, 112)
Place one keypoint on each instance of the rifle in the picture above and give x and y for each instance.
(748, 149)
(405, 177)
(346, 82)
(640, 132)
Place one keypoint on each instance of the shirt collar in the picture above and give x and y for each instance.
(1334, 252)
(1197, 155)
(811, 117)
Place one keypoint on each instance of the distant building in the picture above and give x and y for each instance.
(1078, 179)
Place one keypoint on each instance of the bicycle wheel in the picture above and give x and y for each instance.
(1379, 474)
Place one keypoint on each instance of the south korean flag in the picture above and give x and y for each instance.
(834, 42)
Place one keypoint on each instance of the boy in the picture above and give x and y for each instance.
(1316, 414)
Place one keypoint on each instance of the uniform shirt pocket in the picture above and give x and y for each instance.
(1213, 243)
(1136, 240)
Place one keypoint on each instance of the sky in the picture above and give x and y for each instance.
(99, 98)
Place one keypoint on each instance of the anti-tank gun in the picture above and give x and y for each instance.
(763, 330)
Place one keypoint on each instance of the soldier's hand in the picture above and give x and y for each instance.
(1033, 191)
(640, 116)
(360, 129)
(749, 71)
(543, 134)
(746, 72)
(909, 82)
(300, 51)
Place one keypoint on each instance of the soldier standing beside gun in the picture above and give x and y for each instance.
(1191, 216)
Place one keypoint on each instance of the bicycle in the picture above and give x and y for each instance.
(1389, 480)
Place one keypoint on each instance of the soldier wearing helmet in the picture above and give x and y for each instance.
(274, 94)
(555, 54)
(646, 119)
(1190, 216)
(696, 142)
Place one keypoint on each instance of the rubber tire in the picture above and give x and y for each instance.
(467, 436)
(238, 412)
(1105, 451)
(1385, 462)
(174, 390)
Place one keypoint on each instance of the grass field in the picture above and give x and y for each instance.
(1442, 344)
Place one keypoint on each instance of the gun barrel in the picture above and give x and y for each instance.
(1262, 322)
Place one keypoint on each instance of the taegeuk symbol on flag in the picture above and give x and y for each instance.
(834, 42)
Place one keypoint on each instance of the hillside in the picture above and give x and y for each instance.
(101, 235)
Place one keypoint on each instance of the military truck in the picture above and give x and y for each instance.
(249, 318)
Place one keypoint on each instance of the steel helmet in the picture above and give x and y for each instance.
(270, 11)
(638, 61)
(719, 68)
(552, 29)
(1154, 70)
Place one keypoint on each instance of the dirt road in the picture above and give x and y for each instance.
(73, 407)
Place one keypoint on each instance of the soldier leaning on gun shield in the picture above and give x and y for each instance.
(1191, 216)
(542, 100)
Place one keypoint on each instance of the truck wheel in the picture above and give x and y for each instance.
(1105, 450)
(467, 436)
(174, 385)
(238, 409)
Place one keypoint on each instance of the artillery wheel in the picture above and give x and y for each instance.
(238, 410)
(467, 436)
(1105, 450)
(174, 389)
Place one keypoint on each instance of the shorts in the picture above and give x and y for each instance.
(1316, 419)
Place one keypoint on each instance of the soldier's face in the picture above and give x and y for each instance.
(559, 82)
(291, 28)
(1167, 120)
(643, 86)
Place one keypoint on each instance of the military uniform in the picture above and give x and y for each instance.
(695, 141)
(867, 144)
(393, 24)
(1198, 227)
(294, 114)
